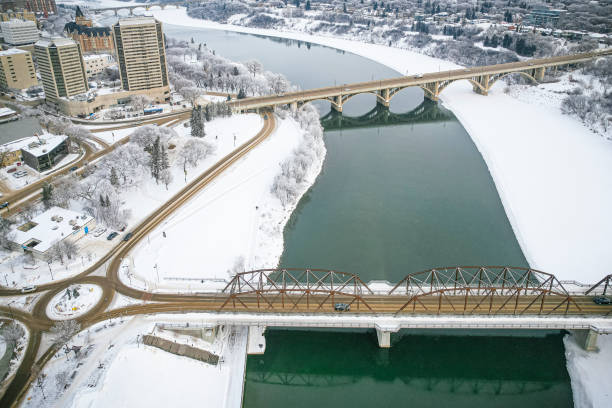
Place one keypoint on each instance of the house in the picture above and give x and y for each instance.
(38, 152)
(56, 224)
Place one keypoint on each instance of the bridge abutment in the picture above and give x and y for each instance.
(587, 339)
(256, 343)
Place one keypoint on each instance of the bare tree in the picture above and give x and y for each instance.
(62, 380)
(13, 332)
(166, 177)
(64, 249)
(254, 67)
(63, 331)
(139, 102)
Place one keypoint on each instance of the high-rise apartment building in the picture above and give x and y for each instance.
(17, 69)
(60, 64)
(19, 32)
(139, 44)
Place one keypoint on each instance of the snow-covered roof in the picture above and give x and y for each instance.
(57, 41)
(36, 145)
(13, 51)
(136, 21)
(52, 226)
(38, 148)
(6, 112)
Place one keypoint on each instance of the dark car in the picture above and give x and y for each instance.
(342, 307)
(4, 204)
(112, 235)
(127, 236)
(602, 300)
(122, 227)
(74, 168)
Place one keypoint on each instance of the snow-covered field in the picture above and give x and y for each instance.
(66, 306)
(235, 224)
(114, 369)
(551, 172)
(590, 373)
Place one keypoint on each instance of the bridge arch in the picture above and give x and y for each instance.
(484, 289)
(496, 78)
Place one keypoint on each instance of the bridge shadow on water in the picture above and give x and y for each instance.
(427, 111)
(422, 369)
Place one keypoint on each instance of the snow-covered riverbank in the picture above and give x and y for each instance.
(549, 169)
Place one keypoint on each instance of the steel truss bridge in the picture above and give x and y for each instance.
(469, 290)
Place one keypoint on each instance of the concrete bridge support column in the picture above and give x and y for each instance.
(294, 106)
(587, 339)
(116, 12)
(256, 343)
(483, 89)
(539, 74)
(433, 91)
(131, 11)
(383, 334)
(337, 103)
(383, 98)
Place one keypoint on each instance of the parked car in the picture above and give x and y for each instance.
(342, 307)
(99, 231)
(122, 227)
(12, 170)
(112, 235)
(602, 300)
(4, 205)
(127, 236)
(28, 289)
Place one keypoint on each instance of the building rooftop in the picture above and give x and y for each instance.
(57, 41)
(36, 145)
(136, 21)
(18, 23)
(6, 112)
(46, 229)
(13, 51)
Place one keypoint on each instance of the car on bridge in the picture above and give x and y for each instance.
(342, 307)
(4, 205)
(602, 300)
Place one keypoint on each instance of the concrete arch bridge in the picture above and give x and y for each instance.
(482, 79)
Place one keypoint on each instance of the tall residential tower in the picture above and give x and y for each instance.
(139, 44)
(60, 64)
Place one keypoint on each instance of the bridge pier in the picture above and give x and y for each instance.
(539, 74)
(256, 343)
(587, 339)
(483, 89)
(116, 12)
(383, 98)
(293, 106)
(383, 334)
(337, 103)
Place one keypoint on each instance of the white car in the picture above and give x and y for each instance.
(28, 289)
(99, 231)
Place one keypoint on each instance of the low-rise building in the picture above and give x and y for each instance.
(38, 235)
(95, 63)
(17, 70)
(43, 152)
(19, 32)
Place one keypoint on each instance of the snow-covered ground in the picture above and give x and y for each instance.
(551, 172)
(590, 373)
(237, 221)
(114, 369)
(65, 305)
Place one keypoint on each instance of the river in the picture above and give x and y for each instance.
(399, 192)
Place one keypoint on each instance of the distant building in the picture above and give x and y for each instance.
(18, 15)
(141, 54)
(17, 70)
(61, 68)
(19, 32)
(91, 39)
(44, 7)
(542, 17)
(95, 63)
(56, 224)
